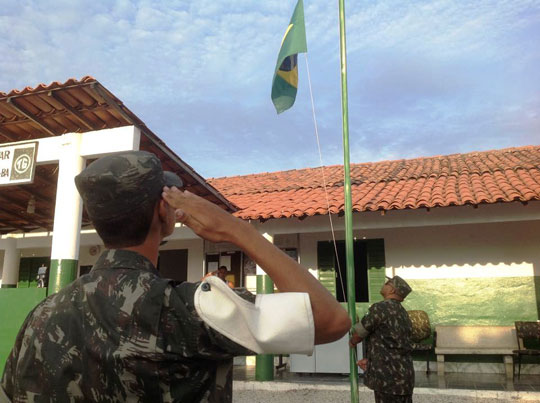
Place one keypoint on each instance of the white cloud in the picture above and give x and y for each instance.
(425, 77)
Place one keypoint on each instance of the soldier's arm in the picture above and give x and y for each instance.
(214, 224)
(6, 385)
(180, 322)
(9, 377)
(8, 380)
(367, 324)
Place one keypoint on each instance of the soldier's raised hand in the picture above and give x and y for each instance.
(205, 218)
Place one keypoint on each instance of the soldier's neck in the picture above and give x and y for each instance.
(394, 297)
(151, 253)
(149, 248)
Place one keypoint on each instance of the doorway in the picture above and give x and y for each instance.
(28, 270)
(173, 264)
(231, 260)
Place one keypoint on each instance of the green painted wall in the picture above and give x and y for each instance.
(15, 304)
(475, 301)
(456, 301)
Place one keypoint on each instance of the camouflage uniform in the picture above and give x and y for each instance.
(146, 343)
(390, 371)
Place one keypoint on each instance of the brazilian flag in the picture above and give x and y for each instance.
(285, 82)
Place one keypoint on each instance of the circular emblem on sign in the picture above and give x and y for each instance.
(22, 163)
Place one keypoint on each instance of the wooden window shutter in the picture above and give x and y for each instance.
(326, 265)
(376, 268)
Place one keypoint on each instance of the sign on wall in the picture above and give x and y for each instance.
(17, 162)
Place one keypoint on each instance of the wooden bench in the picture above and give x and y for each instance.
(492, 340)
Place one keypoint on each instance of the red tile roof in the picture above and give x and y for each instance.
(507, 175)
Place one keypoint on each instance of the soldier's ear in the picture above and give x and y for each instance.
(162, 207)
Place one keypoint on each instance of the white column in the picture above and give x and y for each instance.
(270, 238)
(67, 215)
(10, 273)
(195, 260)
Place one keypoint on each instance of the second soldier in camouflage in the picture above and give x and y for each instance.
(387, 330)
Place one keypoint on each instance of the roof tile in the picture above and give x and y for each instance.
(479, 177)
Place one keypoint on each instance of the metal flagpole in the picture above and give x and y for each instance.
(351, 293)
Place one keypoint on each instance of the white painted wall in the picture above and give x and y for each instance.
(86, 258)
(472, 250)
(448, 251)
(35, 252)
(413, 248)
(501, 212)
(194, 247)
(40, 246)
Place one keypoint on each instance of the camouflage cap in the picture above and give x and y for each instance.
(114, 185)
(402, 288)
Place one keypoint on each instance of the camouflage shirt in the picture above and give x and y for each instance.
(120, 333)
(390, 367)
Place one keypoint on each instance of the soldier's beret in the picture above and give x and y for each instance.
(113, 186)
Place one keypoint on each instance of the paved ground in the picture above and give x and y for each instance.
(295, 388)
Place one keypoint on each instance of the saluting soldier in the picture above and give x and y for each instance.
(387, 330)
(124, 333)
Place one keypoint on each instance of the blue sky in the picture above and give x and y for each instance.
(425, 77)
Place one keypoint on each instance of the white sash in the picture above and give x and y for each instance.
(276, 324)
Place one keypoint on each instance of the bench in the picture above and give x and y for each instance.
(492, 340)
(526, 331)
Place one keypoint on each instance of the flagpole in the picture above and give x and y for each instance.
(351, 292)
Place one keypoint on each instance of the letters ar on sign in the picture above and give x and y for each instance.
(17, 163)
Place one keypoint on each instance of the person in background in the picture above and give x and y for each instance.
(387, 330)
(221, 273)
(41, 276)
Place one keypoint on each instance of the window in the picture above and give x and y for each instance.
(369, 268)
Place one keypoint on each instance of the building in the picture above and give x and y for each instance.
(56, 130)
(463, 229)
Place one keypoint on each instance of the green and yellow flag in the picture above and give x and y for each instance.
(285, 82)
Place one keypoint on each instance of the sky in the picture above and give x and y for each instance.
(424, 77)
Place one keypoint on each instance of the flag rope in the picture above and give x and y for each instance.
(325, 187)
